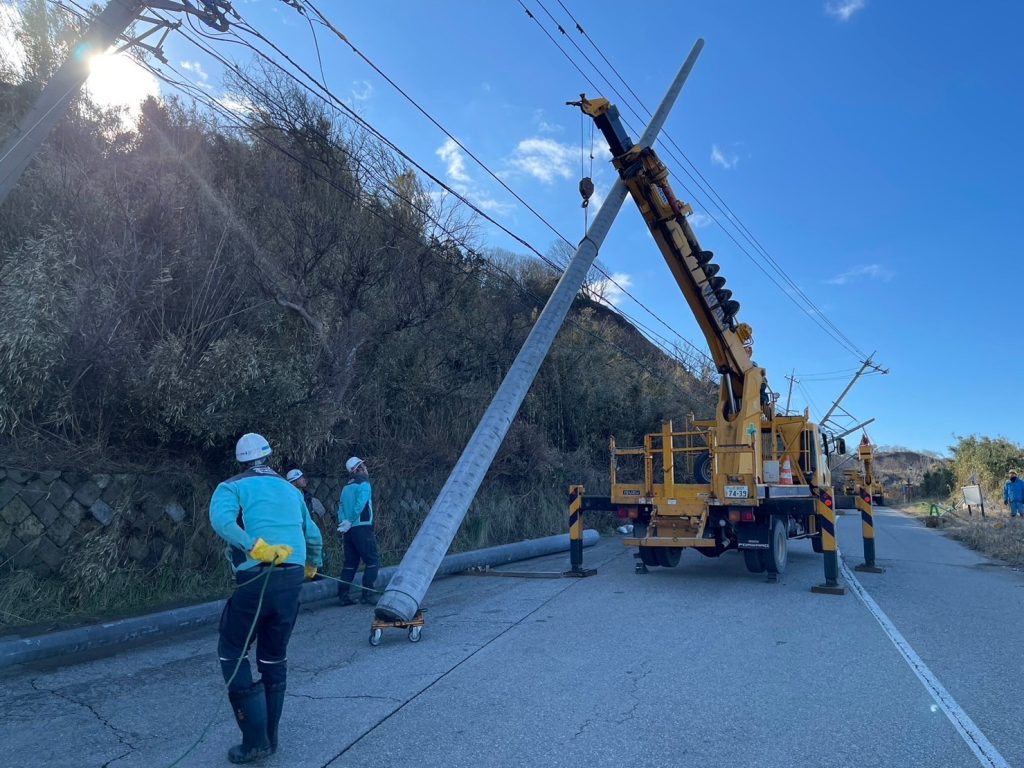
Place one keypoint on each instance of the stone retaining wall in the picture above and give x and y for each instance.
(150, 520)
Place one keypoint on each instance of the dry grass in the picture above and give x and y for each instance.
(28, 604)
(996, 535)
(97, 583)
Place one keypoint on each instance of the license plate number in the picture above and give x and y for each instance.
(736, 492)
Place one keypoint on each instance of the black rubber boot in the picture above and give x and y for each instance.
(275, 705)
(368, 598)
(250, 708)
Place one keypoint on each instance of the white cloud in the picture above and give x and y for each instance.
(197, 69)
(543, 125)
(844, 9)
(727, 159)
(698, 219)
(544, 159)
(863, 272)
(240, 105)
(449, 152)
(611, 290)
(362, 90)
(490, 205)
(462, 183)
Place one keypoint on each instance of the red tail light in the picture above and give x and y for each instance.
(747, 516)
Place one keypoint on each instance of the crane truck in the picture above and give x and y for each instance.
(749, 479)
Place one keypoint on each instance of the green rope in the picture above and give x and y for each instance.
(238, 664)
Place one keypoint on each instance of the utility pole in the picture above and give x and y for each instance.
(52, 104)
(869, 363)
(789, 395)
(405, 592)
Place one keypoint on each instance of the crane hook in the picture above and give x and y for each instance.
(586, 190)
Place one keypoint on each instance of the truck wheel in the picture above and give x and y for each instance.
(777, 553)
(702, 468)
(752, 557)
(649, 556)
(668, 557)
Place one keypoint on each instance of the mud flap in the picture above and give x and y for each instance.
(753, 536)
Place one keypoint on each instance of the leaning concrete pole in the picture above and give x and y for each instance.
(404, 593)
(53, 102)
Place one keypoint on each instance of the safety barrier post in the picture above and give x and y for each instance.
(830, 552)
(576, 534)
(867, 519)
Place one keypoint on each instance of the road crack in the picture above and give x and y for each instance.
(122, 736)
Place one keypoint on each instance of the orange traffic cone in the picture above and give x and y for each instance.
(786, 474)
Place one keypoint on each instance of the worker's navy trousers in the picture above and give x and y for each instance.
(360, 545)
(273, 624)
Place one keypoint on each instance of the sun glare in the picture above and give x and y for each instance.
(116, 80)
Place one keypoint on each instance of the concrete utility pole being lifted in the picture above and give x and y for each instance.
(22, 145)
(403, 595)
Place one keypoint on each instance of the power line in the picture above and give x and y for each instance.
(194, 91)
(334, 102)
(327, 23)
(811, 310)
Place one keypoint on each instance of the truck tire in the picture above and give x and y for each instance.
(777, 554)
(702, 469)
(668, 557)
(753, 560)
(649, 556)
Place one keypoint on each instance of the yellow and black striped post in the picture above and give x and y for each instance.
(827, 524)
(576, 534)
(867, 519)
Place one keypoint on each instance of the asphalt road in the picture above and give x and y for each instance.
(703, 664)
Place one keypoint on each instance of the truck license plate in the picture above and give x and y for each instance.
(736, 492)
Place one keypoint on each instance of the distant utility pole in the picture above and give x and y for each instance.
(407, 588)
(52, 104)
(869, 363)
(789, 395)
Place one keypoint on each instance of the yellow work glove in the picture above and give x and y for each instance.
(310, 572)
(270, 553)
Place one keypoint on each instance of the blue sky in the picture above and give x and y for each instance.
(874, 149)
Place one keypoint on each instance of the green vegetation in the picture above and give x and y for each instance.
(169, 286)
(988, 460)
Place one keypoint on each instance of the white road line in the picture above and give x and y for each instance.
(982, 748)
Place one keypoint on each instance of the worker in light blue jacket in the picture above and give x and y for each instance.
(355, 524)
(272, 545)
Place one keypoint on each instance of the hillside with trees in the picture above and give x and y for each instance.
(168, 285)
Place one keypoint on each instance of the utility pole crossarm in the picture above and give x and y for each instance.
(869, 363)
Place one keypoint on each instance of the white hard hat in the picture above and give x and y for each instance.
(352, 463)
(293, 475)
(251, 447)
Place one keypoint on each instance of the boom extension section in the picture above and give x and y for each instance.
(744, 479)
